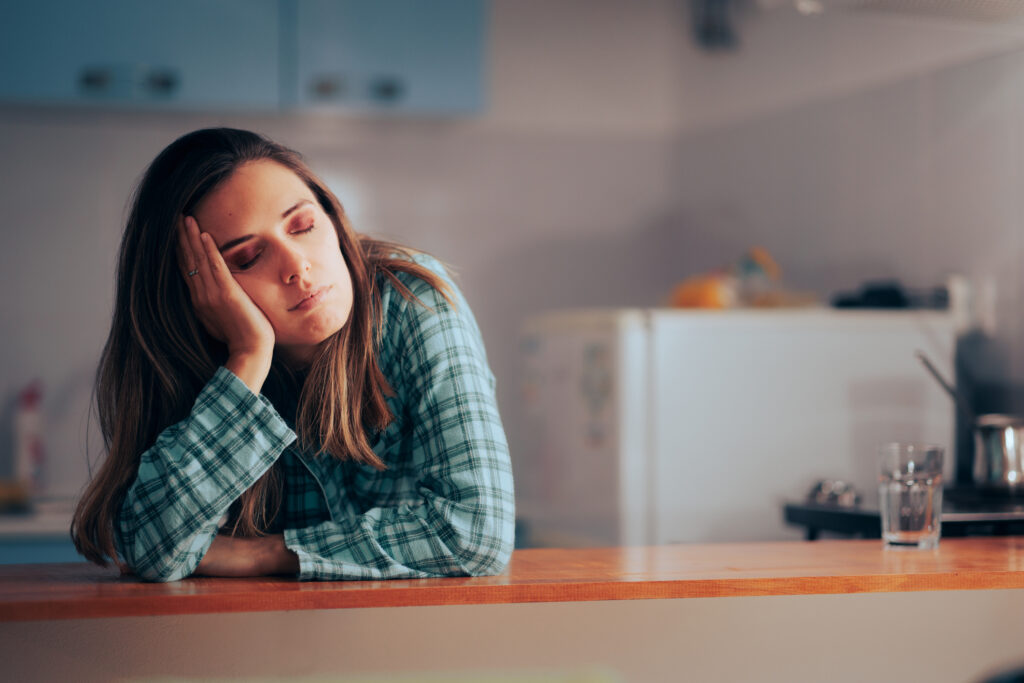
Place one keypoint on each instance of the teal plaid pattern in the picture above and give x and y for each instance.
(443, 507)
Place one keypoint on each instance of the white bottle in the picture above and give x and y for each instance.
(29, 454)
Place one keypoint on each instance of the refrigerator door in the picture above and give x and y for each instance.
(748, 409)
(581, 479)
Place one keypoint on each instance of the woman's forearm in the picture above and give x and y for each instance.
(251, 368)
(278, 559)
(191, 475)
(258, 556)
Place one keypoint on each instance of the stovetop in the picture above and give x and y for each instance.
(983, 497)
(965, 512)
(962, 502)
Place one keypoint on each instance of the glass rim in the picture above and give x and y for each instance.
(910, 447)
(907, 457)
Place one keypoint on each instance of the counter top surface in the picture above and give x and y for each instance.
(76, 591)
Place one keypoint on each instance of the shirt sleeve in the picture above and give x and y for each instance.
(195, 470)
(464, 520)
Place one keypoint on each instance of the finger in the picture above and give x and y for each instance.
(190, 260)
(186, 262)
(220, 275)
(201, 270)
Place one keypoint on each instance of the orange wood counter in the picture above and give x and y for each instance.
(81, 591)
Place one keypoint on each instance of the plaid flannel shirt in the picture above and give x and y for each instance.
(444, 506)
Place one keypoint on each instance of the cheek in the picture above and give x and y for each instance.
(346, 296)
(340, 274)
(343, 286)
(260, 293)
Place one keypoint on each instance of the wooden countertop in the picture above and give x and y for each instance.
(77, 591)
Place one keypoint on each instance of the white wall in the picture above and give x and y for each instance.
(916, 179)
(615, 160)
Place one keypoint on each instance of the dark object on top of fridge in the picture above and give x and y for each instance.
(892, 294)
(712, 23)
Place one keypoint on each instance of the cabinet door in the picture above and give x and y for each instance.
(402, 55)
(186, 53)
(33, 550)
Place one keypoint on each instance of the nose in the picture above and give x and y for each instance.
(295, 265)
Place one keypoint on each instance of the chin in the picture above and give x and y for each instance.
(313, 331)
(318, 333)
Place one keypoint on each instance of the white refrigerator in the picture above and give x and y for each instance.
(656, 426)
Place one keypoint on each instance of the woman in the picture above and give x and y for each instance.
(281, 395)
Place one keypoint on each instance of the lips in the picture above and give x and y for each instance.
(312, 299)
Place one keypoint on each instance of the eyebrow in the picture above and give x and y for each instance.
(230, 244)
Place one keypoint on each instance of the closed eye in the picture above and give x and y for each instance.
(248, 258)
(248, 264)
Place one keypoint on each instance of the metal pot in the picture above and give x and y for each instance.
(999, 452)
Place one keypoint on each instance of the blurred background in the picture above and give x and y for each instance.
(580, 153)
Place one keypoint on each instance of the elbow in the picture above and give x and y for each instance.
(154, 557)
(487, 565)
(474, 537)
(158, 567)
(488, 554)
(161, 574)
(160, 570)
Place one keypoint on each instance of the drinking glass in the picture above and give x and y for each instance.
(910, 494)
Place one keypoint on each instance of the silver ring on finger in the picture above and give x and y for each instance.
(193, 272)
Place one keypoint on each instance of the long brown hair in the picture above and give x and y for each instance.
(158, 356)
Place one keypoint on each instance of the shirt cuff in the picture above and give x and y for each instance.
(307, 567)
(227, 388)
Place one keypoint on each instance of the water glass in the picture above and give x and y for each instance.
(910, 494)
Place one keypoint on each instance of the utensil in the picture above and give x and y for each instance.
(958, 399)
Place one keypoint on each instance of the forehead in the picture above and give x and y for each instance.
(251, 199)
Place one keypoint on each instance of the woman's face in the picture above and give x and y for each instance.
(283, 250)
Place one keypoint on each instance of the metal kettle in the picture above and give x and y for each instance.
(999, 452)
(998, 441)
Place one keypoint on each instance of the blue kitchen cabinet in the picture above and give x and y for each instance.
(402, 56)
(33, 550)
(406, 56)
(187, 54)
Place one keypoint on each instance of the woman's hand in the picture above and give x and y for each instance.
(223, 307)
(259, 556)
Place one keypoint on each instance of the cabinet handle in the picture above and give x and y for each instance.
(95, 80)
(328, 87)
(387, 89)
(161, 82)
